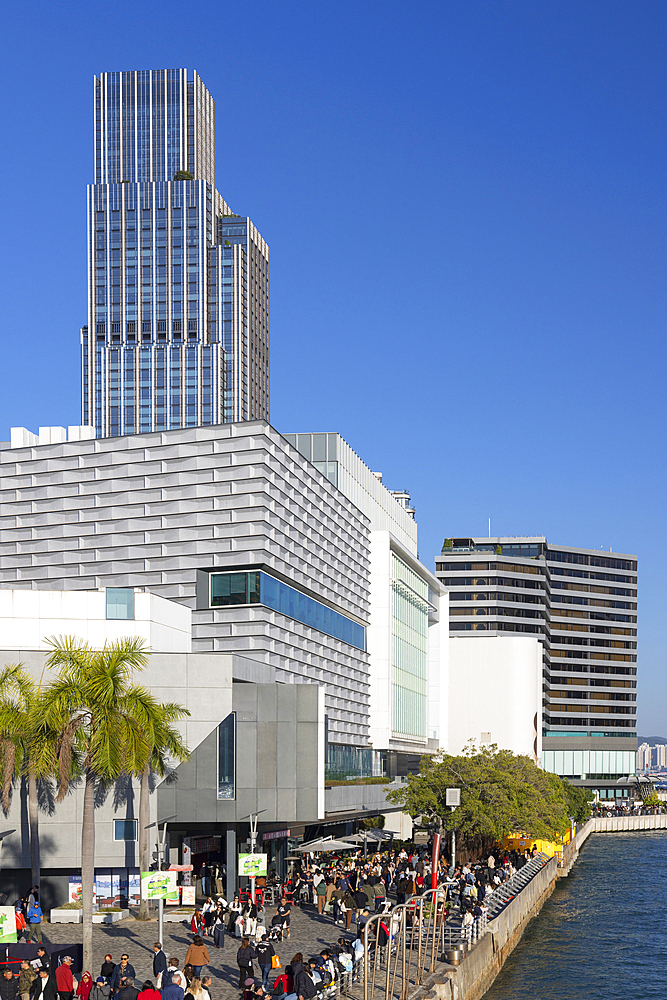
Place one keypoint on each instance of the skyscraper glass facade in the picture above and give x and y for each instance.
(178, 286)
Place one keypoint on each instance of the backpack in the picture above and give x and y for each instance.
(345, 961)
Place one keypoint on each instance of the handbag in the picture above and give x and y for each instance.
(275, 962)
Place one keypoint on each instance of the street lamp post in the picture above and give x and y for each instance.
(159, 845)
(452, 800)
(253, 843)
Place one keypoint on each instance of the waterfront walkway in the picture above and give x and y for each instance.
(309, 934)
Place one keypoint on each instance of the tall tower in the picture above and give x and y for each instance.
(178, 286)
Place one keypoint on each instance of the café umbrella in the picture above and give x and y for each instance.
(324, 844)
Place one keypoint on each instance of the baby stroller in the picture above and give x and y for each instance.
(275, 932)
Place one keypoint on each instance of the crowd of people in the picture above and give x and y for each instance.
(348, 890)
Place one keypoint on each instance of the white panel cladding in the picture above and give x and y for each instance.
(495, 693)
(148, 510)
(29, 618)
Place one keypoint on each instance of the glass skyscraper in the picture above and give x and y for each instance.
(178, 286)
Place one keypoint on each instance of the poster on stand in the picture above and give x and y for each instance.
(159, 885)
(188, 895)
(7, 925)
(74, 893)
(252, 865)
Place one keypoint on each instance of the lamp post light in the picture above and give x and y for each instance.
(452, 800)
(253, 843)
(159, 844)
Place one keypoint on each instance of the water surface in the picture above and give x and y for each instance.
(603, 933)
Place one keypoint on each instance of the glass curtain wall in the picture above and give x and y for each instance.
(409, 668)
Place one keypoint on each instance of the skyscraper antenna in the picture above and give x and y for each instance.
(489, 527)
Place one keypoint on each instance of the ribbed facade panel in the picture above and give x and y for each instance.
(154, 509)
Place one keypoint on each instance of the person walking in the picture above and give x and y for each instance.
(9, 986)
(244, 959)
(148, 992)
(21, 929)
(196, 990)
(208, 913)
(304, 987)
(121, 971)
(35, 921)
(27, 976)
(101, 990)
(172, 983)
(265, 952)
(44, 986)
(65, 979)
(85, 986)
(197, 922)
(219, 926)
(107, 968)
(197, 956)
(159, 959)
(321, 893)
(127, 991)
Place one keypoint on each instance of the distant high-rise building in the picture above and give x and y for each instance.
(581, 604)
(178, 286)
(644, 757)
(661, 755)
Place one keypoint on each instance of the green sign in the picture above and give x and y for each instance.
(159, 885)
(7, 925)
(252, 865)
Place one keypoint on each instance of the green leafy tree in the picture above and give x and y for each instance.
(93, 706)
(165, 746)
(24, 753)
(501, 793)
(578, 801)
(183, 175)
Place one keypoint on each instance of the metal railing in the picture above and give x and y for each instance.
(404, 946)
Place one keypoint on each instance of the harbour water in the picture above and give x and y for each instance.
(603, 933)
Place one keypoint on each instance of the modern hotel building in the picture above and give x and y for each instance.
(178, 286)
(581, 606)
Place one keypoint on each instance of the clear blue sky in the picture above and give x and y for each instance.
(465, 204)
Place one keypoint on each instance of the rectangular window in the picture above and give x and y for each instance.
(120, 603)
(125, 829)
(260, 588)
(227, 757)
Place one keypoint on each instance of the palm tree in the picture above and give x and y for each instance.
(22, 753)
(166, 746)
(91, 705)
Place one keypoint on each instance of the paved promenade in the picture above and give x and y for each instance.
(310, 933)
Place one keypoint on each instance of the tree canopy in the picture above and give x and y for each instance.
(501, 793)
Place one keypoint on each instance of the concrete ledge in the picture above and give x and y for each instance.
(109, 918)
(65, 916)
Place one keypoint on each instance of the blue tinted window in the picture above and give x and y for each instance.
(120, 603)
(125, 829)
(254, 588)
(227, 757)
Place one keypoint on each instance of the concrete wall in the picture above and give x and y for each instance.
(620, 824)
(199, 681)
(29, 617)
(279, 761)
(495, 693)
